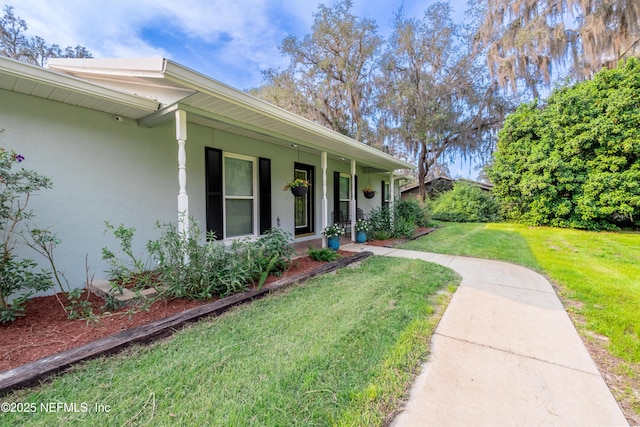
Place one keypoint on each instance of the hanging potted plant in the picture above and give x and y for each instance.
(298, 186)
(368, 192)
(333, 233)
(362, 227)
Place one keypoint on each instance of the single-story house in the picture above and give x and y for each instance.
(134, 141)
(436, 185)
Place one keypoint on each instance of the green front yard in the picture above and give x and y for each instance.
(340, 350)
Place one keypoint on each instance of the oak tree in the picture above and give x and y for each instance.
(530, 41)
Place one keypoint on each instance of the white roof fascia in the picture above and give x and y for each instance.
(204, 84)
(143, 67)
(179, 76)
(22, 70)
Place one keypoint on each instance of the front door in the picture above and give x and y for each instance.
(303, 205)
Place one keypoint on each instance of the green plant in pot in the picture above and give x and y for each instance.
(362, 226)
(333, 233)
(298, 186)
(368, 192)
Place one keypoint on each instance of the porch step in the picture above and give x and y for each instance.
(103, 289)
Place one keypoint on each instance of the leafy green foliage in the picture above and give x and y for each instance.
(17, 276)
(466, 203)
(192, 265)
(413, 211)
(407, 216)
(323, 254)
(575, 162)
(126, 269)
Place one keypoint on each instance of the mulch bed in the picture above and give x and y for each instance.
(45, 342)
(46, 329)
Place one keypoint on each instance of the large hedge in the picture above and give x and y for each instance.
(575, 161)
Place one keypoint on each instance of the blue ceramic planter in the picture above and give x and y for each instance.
(333, 243)
(361, 236)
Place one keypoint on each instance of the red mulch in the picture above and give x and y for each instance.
(46, 330)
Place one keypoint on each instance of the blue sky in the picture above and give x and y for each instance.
(229, 40)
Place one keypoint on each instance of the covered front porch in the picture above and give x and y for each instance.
(225, 126)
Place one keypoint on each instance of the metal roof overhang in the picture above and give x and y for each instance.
(29, 79)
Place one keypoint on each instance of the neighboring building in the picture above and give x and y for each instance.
(434, 186)
(134, 141)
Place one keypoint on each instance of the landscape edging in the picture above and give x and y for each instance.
(35, 372)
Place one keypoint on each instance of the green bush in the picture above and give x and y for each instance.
(574, 162)
(18, 277)
(323, 255)
(413, 211)
(466, 203)
(194, 266)
(407, 216)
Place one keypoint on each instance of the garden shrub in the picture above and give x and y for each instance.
(195, 266)
(18, 278)
(323, 254)
(407, 216)
(413, 211)
(466, 203)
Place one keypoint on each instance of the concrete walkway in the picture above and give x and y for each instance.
(505, 353)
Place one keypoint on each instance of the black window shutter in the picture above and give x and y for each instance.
(382, 194)
(213, 170)
(355, 196)
(264, 174)
(336, 197)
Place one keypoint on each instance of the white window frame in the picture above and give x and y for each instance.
(254, 197)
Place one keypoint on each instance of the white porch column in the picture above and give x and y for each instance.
(183, 198)
(325, 214)
(352, 204)
(392, 196)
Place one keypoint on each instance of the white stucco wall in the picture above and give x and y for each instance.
(105, 170)
(96, 165)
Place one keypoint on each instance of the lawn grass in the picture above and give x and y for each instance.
(598, 274)
(340, 350)
(476, 240)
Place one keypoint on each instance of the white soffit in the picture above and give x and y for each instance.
(29, 79)
(218, 105)
(221, 101)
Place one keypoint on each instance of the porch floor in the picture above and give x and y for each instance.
(300, 248)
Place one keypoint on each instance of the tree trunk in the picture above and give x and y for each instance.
(422, 171)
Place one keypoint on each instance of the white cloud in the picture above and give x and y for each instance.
(229, 40)
(245, 29)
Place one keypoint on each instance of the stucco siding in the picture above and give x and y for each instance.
(101, 170)
(117, 171)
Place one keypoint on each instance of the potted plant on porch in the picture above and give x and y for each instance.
(362, 226)
(298, 186)
(333, 233)
(368, 192)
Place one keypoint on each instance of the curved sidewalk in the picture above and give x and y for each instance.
(505, 353)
